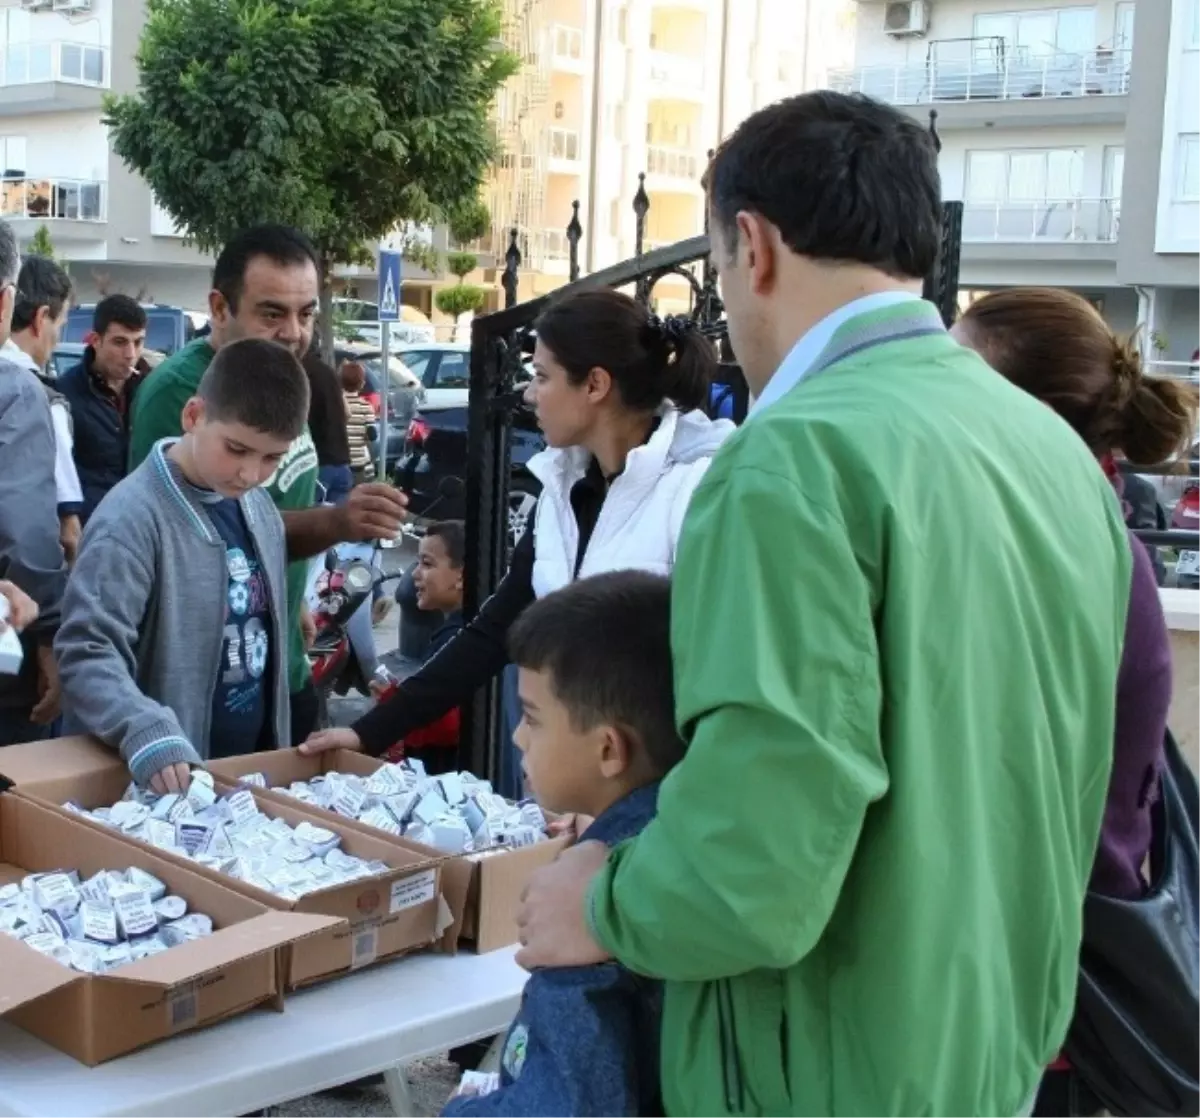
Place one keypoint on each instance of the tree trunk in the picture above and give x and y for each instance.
(325, 319)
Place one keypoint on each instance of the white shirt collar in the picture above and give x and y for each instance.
(799, 361)
(10, 351)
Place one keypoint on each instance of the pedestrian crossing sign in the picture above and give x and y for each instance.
(389, 286)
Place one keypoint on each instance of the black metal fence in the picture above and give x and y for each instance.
(500, 345)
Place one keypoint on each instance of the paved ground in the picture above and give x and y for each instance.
(432, 1080)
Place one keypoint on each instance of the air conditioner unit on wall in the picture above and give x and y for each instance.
(903, 18)
(72, 5)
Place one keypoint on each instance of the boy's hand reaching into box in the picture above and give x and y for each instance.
(173, 778)
(323, 740)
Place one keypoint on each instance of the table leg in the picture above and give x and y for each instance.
(395, 1081)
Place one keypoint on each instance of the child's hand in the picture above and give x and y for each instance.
(174, 778)
(324, 740)
(569, 826)
(22, 609)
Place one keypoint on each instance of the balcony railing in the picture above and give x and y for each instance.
(59, 199)
(564, 144)
(1049, 221)
(566, 45)
(1102, 73)
(57, 61)
(675, 163)
(676, 70)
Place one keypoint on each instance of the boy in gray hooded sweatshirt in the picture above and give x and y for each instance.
(172, 647)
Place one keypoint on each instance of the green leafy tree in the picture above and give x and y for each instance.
(469, 221)
(40, 243)
(462, 298)
(345, 118)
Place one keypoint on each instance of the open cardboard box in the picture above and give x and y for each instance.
(381, 916)
(483, 890)
(98, 1017)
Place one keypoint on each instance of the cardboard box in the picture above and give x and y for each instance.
(381, 916)
(483, 890)
(98, 1017)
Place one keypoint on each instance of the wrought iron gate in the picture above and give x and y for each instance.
(502, 341)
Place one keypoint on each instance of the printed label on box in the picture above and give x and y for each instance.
(413, 891)
(182, 1008)
(364, 948)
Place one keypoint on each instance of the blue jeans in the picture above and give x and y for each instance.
(337, 482)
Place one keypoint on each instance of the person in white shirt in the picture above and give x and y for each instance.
(43, 301)
(619, 395)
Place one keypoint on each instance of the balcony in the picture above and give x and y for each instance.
(564, 150)
(678, 165)
(1049, 221)
(52, 77)
(551, 252)
(676, 75)
(1006, 88)
(53, 200)
(566, 48)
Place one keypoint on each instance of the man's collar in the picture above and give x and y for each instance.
(804, 354)
(12, 352)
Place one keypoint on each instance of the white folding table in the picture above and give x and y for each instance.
(378, 1020)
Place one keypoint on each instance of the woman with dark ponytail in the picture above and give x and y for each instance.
(618, 393)
(1054, 345)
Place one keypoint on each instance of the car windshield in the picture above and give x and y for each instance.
(373, 363)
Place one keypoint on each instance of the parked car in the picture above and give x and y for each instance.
(444, 368)
(436, 449)
(167, 328)
(404, 397)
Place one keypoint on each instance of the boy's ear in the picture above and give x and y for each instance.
(616, 751)
(193, 414)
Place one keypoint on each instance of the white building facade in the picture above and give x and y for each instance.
(1042, 107)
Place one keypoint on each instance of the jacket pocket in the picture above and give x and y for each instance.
(756, 1009)
(731, 1065)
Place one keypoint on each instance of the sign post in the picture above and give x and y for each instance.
(389, 312)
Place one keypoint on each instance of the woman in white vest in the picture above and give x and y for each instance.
(618, 394)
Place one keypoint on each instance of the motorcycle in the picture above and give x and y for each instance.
(342, 597)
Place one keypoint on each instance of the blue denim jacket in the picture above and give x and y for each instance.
(586, 1038)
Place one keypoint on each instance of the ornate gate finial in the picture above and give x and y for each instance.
(512, 265)
(574, 235)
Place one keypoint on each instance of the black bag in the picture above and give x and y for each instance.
(1135, 1038)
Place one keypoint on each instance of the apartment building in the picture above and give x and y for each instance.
(613, 89)
(1039, 104)
(57, 60)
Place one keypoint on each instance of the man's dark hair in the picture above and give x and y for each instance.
(257, 383)
(281, 243)
(118, 310)
(842, 177)
(10, 255)
(41, 283)
(453, 534)
(605, 643)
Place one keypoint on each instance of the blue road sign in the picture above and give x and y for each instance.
(389, 286)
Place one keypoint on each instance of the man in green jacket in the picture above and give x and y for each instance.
(266, 284)
(864, 885)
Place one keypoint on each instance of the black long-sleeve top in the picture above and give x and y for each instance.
(479, 652)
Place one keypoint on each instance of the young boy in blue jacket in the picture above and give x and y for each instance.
(597, 735)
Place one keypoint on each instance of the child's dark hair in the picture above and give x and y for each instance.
(258, 383)
(650, 359)
(605, 643)
(453, 534)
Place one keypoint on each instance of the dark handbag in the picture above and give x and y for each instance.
(1135, 1038)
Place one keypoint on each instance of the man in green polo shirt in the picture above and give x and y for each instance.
(266, 284)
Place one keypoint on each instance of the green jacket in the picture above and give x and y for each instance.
(157, 414)
(898, 609)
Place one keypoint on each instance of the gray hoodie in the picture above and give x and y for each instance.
(31, 555)
(143, 621)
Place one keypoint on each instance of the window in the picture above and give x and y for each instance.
(417, 363)
(1123, 38)
(453, 371)
(614, 218)
(623, 26)
(1024, 176)
(1192, 16)
(1187, 168)
(1041, 33)
(1114, 172)
(12, 157)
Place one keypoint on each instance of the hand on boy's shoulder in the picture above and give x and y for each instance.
(553, 926)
